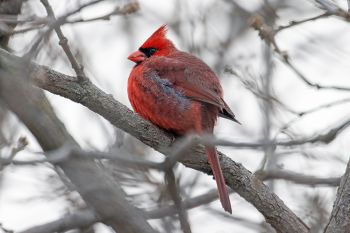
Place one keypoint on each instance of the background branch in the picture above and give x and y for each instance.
(81, 219)
(297, 178)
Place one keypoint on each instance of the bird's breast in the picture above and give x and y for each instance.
(158, 101)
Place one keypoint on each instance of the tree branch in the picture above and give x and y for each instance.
(80, 219)
(95, 186)
(87, 217)
(339, 221)
(296, 23)
(63, 41)
(267, 34)
(237, 177)
(297, 178)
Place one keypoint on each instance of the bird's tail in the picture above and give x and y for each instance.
(219, 177)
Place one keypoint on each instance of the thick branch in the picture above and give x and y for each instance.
(340, 217)
(238, 178)
(94, 185)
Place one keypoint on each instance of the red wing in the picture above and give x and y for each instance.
(193, 78)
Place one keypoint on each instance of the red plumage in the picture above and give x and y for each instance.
(180, 93)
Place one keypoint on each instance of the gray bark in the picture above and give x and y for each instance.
(339, 221)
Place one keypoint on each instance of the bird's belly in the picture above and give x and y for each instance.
(157, 101)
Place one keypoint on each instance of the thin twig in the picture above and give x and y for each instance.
(323, 106)
(267, 34)
(175, 195)
(129, 8)
(309, 111)
(24, 30)
(63, 41)
(80, 219)
(180, 149)
(297, 178)
(65, 152)
(85, 218)
(191, 140)
(53, 24)
(6, 18)
(296, 23)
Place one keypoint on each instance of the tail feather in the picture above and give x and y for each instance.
(219, 177)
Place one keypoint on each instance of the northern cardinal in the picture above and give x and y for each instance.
(179, 93)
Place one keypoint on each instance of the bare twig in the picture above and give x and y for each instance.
(39, 22)
(76, 220)
(65, 152)
(57, 23)
(190, 203)
(309, 111)
(175, 195)
(63, 41)
(296, 23)
(180, 149)
(267, 34)
(297, 178)
(63, 19)
(317, 138)
(24, 30)
(9, 18)
(129, 8)
(323, 106)
(87, 217)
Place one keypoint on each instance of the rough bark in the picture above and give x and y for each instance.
(339, 221)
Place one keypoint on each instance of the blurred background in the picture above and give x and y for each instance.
(290, 82)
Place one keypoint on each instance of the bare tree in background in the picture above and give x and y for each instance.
(122, 186)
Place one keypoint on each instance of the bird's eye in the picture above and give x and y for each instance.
(148, 51)
(152, 51)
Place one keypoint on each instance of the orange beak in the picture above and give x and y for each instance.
(137, 57)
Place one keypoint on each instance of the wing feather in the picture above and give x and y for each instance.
(192, 77)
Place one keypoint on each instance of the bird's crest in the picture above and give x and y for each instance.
(158, 40)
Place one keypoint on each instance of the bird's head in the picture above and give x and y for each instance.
(156, 45)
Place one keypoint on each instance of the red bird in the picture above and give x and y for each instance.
(179, 93)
